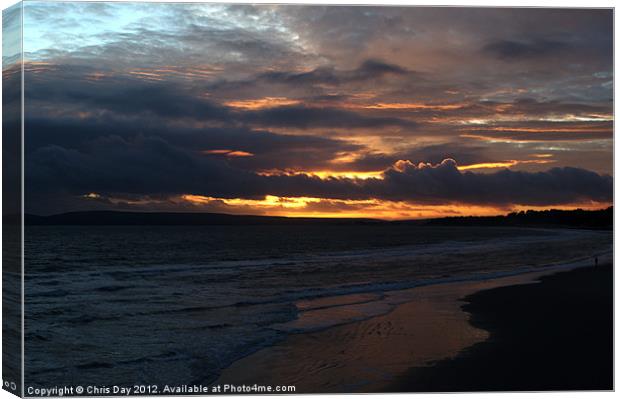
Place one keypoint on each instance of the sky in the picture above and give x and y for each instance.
(386, 112)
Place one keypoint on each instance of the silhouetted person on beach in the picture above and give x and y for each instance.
(595, 261)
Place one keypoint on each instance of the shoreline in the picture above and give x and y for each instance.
(374, 354)
(555, 335)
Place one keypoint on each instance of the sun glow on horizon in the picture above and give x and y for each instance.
(272, 205)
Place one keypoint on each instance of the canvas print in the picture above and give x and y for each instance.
(287, 199)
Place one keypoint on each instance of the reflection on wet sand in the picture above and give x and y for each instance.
(366, 356)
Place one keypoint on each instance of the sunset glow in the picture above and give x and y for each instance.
(401, 113)
(389, 210)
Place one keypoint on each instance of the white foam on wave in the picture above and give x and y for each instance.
(337, 310)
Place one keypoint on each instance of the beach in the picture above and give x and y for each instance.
(324, 308)
(547, 330)
(554, 335)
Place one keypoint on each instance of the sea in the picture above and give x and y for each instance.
(126, 305)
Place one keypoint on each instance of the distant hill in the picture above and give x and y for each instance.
(598, 219)
(100, 218)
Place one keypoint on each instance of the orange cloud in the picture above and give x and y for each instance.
(270, 201)
(239, 154)
(262, 103)
(412, 106)
(578, 129)
(504, 164)
(228, 153)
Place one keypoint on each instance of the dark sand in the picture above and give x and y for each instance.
(554, 335)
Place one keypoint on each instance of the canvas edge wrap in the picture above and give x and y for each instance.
(12, 200)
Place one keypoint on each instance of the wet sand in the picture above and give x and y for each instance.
(383, 353)
(555, 335)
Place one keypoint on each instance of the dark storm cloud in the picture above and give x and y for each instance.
(67, 110)
(68, 87)
(269, 150)
(314, 84)
(114, 164)
(151, 166)
(513, 50)
(444, 182)
(169, 100)
(162, 100)
(368, 70)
